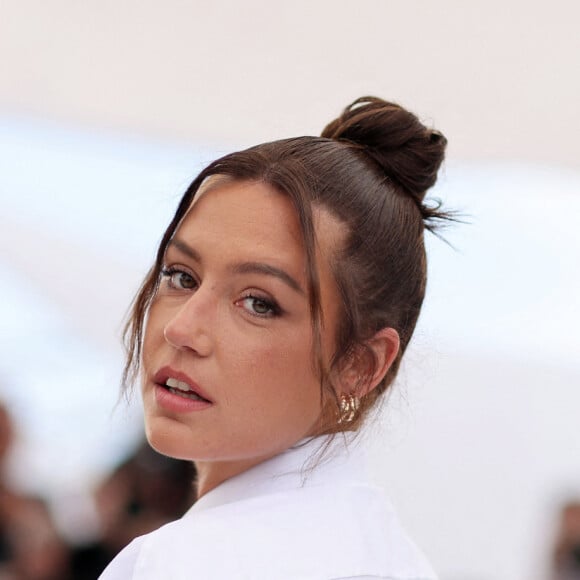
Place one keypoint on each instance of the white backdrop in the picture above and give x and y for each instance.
(500, 76)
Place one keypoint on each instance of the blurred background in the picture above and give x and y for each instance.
(109, 109)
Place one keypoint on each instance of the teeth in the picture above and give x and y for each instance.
(175, 384)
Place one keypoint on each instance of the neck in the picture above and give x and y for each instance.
(210, 474)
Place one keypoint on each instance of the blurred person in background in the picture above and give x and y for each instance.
(566, 555)
(144, 492)
(30, 546)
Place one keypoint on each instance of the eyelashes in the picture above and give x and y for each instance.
(252, 302)
(258, 306)
(179, 279)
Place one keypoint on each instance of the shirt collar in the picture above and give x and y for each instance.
(312, 461)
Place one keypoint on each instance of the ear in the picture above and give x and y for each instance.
(367, 367)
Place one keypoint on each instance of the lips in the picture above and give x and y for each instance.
(180, 384)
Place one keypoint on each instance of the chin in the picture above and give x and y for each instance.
(167, 437)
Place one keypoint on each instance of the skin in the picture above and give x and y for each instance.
(242, 332)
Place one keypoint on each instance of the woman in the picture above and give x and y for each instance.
(284, 293)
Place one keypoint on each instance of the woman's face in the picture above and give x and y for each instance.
(227, 357)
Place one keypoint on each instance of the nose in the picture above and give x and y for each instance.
(189, 328)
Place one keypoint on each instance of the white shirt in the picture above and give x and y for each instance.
(294, 517)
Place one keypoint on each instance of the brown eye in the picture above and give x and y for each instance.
(179, 279)
(260, 306)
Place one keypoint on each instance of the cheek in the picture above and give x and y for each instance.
(279, 368)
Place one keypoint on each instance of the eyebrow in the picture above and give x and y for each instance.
(244, 267)
(268, 270)
(185, 249)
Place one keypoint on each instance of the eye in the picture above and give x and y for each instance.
(261, 307)
(179, 279)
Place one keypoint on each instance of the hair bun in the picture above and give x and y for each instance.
(409, 153)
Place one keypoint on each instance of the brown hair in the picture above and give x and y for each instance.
(370, 169)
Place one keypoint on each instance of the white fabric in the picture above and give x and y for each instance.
(296, 516)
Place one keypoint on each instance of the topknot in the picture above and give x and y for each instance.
(409, 153)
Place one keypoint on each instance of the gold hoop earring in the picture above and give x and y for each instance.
(349, 405)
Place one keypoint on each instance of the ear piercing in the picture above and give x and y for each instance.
(349, 405)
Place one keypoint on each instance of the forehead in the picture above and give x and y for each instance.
(253, 218)
(236, 210)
